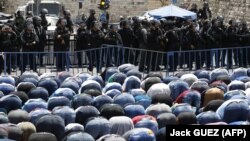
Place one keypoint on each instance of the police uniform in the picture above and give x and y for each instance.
(41, 33)
(116, 53)
(61, 45)
(29, 44)
(82, 43)
(96, 40)
(8, 40)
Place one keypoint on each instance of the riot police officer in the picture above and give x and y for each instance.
(172, 44)
(192, 42)
(19, 22)
(244, 36)
(96, 38)
(155, 36)
(218, 36)
(8, 42)
(29, 43)
(206, 41)
(142, 39)
(82, 42)
(61, 44)
(69, 25)
(91, 18)
(44, 21)
(232, 41)
(205, 12)
(127, 36)
(41, 33)
(114, 38)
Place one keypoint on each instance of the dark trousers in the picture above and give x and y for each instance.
(171, 60)
(40, 58)
(206, 58)
(114, 56)
(28, 59)
(244, 55)
(129, 55)
(61, 61)
(143, 61)
(94, 58)
(79, 57)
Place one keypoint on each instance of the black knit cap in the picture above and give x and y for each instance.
(111, 110)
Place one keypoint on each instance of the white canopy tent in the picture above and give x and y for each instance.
(171, 11)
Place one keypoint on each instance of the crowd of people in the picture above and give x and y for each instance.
(165, 35)
(173, 35)
(28, 35)
(120, 104)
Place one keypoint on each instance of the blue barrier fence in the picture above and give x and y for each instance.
(97, 59)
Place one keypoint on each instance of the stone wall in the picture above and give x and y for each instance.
(117, 7)
(229, 9)
(237, 9)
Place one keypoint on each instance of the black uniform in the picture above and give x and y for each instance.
(96, 40)
(192, 43)
(90, 20)
(155, 37)
(61, 45)
(232, 42)
(127, 36)
(44, 22)
(142, 44)
(205, 12)
(172, 44)
(41, 33)
(218, 36)
(82, 43)
(29, 43)
(19, 22)
(115, 54)
(8, 43)
(206, 42)
(244, 37)
(69, 24)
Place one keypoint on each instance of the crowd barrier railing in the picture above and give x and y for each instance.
(97, 59)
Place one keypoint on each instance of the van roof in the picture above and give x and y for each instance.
(44, 1)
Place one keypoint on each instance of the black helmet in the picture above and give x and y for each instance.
(232, 21)
(244, 23)
(37, 18)
(220, 18)
(92, 11)
(163, 20)
(67, 12)
(124, 23)
(155, 22)
(44, 11)
(63, 21)
(30, 27)
(18, 12)
(29, 13)
(205, 4)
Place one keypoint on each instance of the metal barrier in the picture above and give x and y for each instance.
(97, 59)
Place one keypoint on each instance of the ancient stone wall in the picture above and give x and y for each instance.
(117, 7)
(238, 9)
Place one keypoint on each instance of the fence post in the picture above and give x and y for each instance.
(4, 59)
